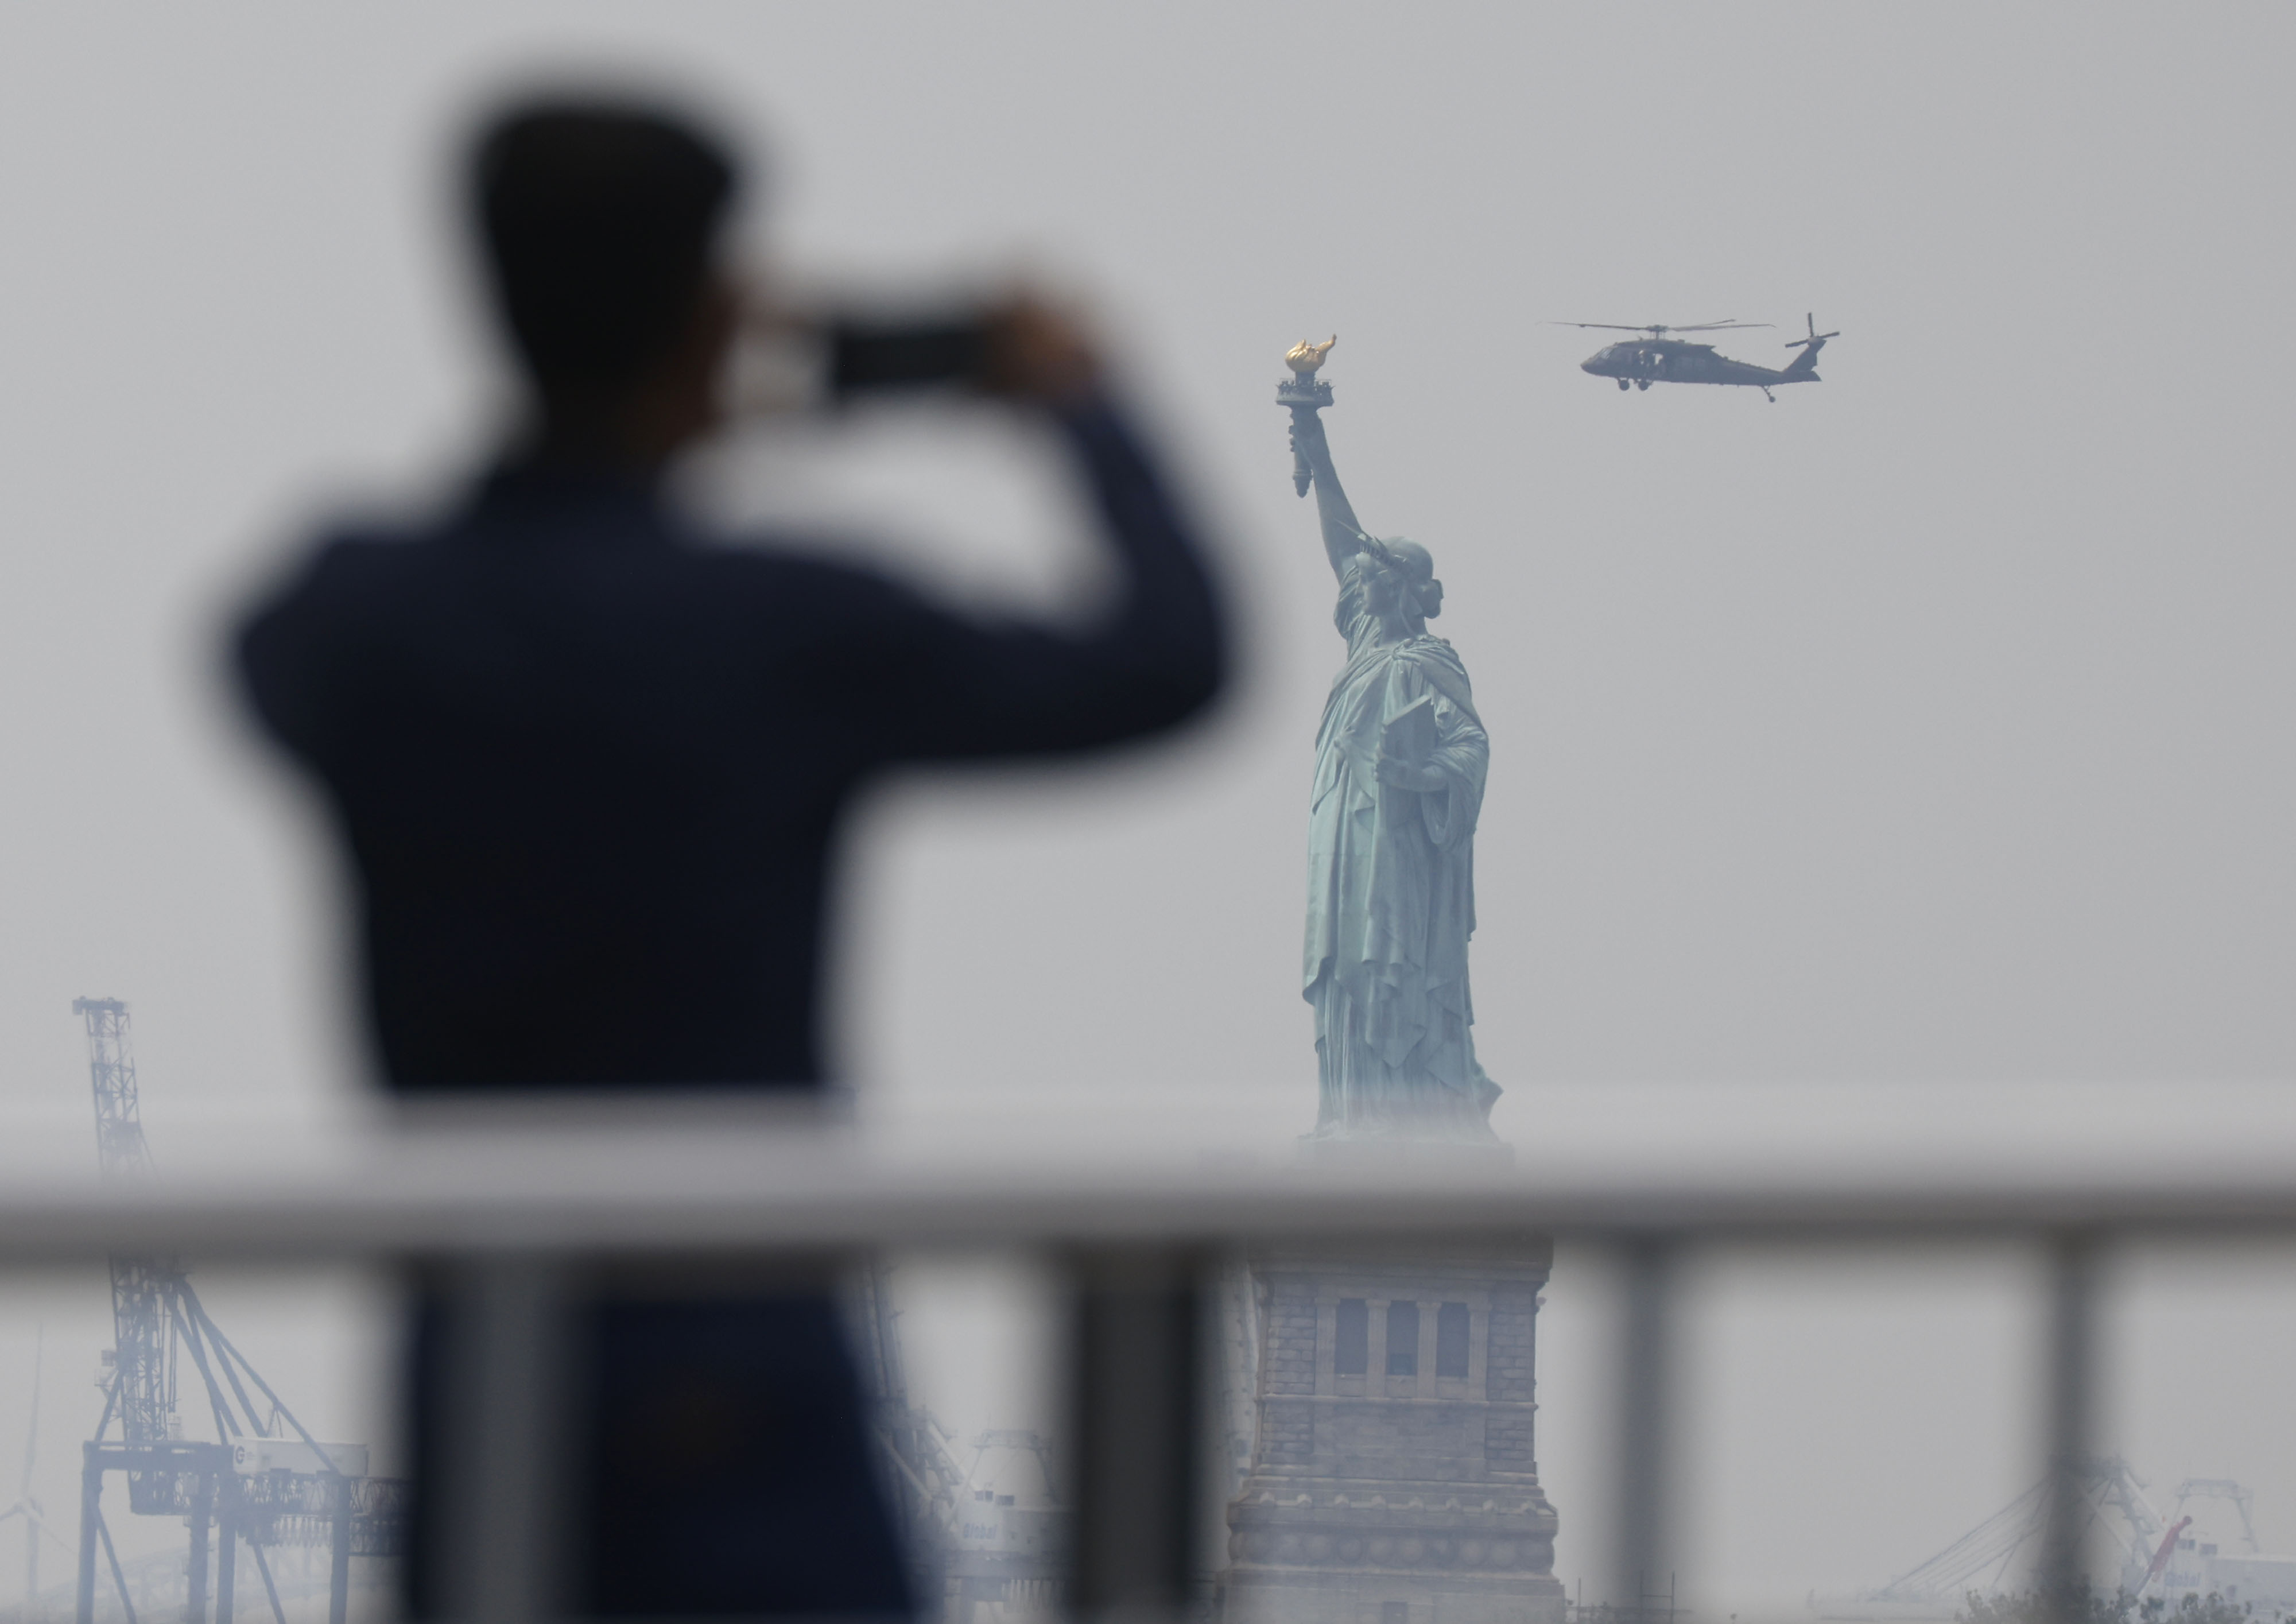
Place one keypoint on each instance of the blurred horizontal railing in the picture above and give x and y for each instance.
(504, 1219)
(623, 1192)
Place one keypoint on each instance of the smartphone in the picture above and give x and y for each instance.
(865, 357)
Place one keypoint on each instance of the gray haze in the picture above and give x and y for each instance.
(1923, 728)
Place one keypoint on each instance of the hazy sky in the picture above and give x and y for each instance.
(1925, 727)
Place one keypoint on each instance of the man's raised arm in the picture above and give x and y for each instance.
(1156, 659)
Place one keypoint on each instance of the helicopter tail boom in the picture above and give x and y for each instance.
(1803, 368)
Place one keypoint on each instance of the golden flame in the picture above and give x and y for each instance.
(1305, 358)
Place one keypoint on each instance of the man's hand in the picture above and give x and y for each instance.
(1408, 776)
(1040, 354)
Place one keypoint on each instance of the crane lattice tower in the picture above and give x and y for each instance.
(142, 1288)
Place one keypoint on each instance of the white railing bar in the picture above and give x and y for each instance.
(500, 1209)
(668, 1196)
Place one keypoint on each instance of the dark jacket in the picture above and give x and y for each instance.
(591, 765)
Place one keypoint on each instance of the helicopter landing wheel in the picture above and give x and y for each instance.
(1622, 385)
(1642, 383)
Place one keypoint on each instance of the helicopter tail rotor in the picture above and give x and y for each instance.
(1816, 339)
(1803, 368)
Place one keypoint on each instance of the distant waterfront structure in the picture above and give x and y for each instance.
(987, 1539)
(1390, 1475)
(2131, 1549)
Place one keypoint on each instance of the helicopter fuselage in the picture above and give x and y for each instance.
(1647, 361)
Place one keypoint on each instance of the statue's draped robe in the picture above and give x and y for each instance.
(1390, 898)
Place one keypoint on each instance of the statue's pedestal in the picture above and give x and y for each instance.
(1392, 1480)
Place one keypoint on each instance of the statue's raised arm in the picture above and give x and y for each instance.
(1311, 452)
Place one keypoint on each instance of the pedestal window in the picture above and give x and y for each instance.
(1451, 1322)
(1403, 1338)
(1351, 1338)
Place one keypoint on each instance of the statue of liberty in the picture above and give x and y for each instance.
(1399, 765)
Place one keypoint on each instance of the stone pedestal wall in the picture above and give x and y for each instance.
(1393, 1479)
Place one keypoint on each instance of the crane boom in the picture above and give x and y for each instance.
(1999, 1553)
(2168, 1549)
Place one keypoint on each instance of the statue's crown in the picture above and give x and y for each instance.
(1305, 358)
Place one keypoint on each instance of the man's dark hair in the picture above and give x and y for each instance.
(599, 220)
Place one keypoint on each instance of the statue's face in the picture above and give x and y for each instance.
(1418, 566)
(1384, 589)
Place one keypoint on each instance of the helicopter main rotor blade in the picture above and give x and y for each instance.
(1659, 331)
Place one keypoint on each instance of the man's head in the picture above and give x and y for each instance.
(600, 222)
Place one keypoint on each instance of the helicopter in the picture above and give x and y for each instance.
(1657, 357)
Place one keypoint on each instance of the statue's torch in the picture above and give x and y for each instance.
(1305, 394)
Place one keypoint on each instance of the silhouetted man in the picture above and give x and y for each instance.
(591, 768)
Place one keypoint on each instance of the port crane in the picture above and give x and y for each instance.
(2243, 1501)
(961, 1537)
(266, 1482)
(1999, 1551)
(926, 1479)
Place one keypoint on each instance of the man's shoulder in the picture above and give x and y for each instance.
(369, 557)
(342, 562)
